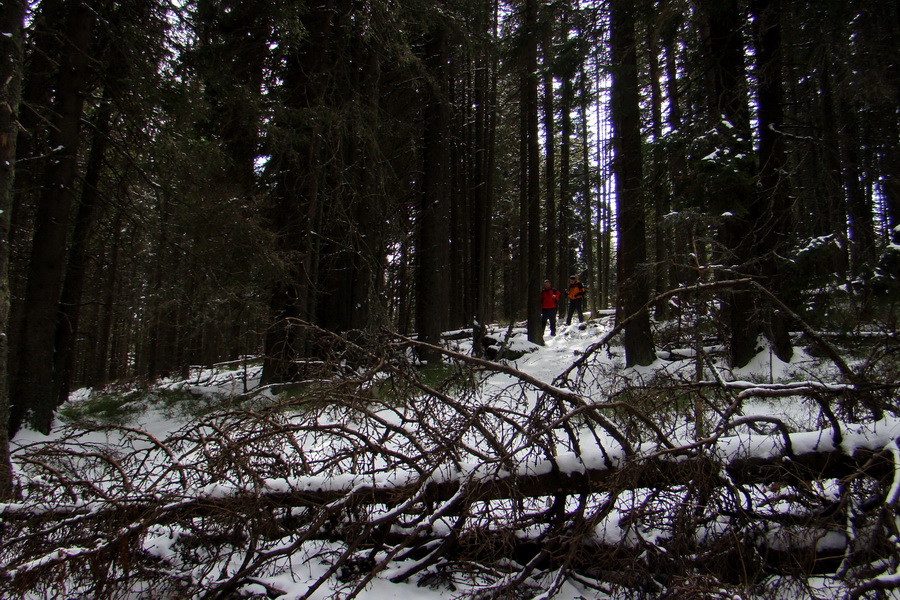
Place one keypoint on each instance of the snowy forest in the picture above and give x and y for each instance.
(270, 311)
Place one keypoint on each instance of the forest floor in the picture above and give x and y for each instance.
(208, 439)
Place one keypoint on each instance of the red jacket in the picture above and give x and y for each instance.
(550, 298)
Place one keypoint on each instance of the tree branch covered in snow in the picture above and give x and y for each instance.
(491, 482)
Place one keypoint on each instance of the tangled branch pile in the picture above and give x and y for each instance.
(497, 486)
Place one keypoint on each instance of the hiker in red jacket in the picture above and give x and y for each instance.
(549, 303)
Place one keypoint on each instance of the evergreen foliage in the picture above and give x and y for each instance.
(203, 181)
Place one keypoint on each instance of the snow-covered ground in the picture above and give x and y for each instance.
(398, 430)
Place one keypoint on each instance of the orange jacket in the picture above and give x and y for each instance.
(576, 290)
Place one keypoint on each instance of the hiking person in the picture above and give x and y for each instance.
(549, 302)
(575, 294)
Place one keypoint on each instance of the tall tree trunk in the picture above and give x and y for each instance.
(552, 247)
(101, 371)
(353, 255)
(34, 393)
(669, 32)
(773, 183)
(12, 17)
(887, 16)
(460, 144)
(658, 184)
(533, 178)
(891, 181)
(633, 278)
(566, 208)
(604, 162)
(587, 204)
(830, 177)
(522, 294)
(483, 192)
(683, 231)
(728, 101)
(404, 313)
(42, 57)
(159, 315)
(297, 205)
(432, 249)
(73, 286)
(859, 213)
(286, 339)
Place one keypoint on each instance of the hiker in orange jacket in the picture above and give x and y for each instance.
(575, 294)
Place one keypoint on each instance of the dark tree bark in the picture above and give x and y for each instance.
(682, 231)
(520, 258)
(775, 200)
(484, 94)
(859, 211)
(12, 17)
(587, 196)
(659, 190)
(459, 144)
(669, 32)
(891, 182)
(73, 285)
(33, 389)
(604, 160)
(156, 355)
(887, 18)
(404, 293)
(353, 256)
(529, 82)
(42, 57)
(829, 179)
(550, 182)
(566, 205)
(100, 374)
(296, 209)
(728, 100)
(633, 276)
(432, 249)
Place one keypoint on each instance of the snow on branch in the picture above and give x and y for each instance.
(467, 485)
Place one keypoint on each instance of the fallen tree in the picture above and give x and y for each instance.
(519, 490)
